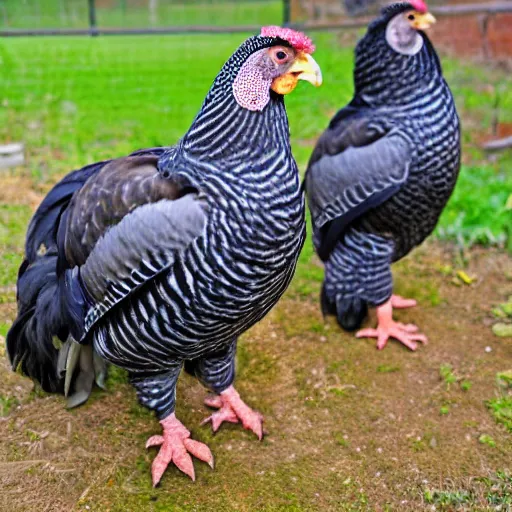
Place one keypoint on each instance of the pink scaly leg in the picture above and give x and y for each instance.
(233, 409)
(175, 446)
(407, 334)
(401, 303)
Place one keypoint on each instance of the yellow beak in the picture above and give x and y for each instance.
(303, 68)
(422, 21)
(307, 69)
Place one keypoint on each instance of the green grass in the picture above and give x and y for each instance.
(476, 212)
(494, 491)
(501, 409)
(13, 223)
(6, 404)
(446, 373)
(35, 14)
(501, 406)
(76, 100)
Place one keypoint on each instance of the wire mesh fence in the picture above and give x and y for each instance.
(68, 15)
(76, 99)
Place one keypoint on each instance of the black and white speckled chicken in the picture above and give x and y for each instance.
(382, 172)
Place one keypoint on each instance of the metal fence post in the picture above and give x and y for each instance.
(93, 28)
(286, 12)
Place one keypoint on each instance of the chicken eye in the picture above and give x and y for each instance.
(411, 16)
(281, 55)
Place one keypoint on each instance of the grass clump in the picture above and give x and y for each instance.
(444, 410)
(501, 406)
(487, 221)
(388, 368)
(446, 372)
(447, 498)
(466, 385)
(482, 493)
(501, 409)
(503, 310)
(341, 440)
(504, 379)
(488, 440)
(7, 403)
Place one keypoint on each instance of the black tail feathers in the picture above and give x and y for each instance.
(350, 312)
(32, 341)
(43, 312)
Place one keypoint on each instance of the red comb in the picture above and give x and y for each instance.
(419, 5)
(298, 40)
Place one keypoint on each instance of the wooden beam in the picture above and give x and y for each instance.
(498, 145)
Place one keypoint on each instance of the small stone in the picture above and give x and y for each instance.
(379, 450)
(433, 443)
(323, 339)
(488, 349)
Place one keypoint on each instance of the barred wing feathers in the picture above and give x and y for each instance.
(145, 243)
(358, 163)
(125, 226)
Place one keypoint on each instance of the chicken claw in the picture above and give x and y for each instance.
(233, 410)
(175, 446)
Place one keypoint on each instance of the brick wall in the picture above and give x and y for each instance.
(473, 35)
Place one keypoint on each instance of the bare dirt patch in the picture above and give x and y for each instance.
(349, 428)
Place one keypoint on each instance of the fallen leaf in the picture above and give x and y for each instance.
(464, 277)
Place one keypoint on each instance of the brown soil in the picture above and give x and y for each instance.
(349, 428)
